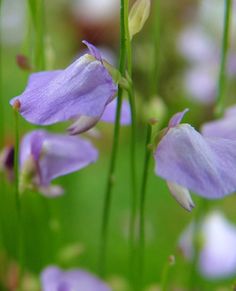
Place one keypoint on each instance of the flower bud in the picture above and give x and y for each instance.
(138, 16)
(154, 109)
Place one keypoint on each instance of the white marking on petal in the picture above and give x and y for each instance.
(181, 195)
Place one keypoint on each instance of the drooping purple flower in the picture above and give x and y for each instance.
(54, 279)
(206, 166)
(45, 156)
(224, 127)
(217, 258)
(82, 90)
(7, 162)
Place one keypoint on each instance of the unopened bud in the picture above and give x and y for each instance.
(16, 105)
(138, 16)
(154, 109)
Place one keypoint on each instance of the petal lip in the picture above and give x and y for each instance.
(83, 88)
(181, 195)
(206, 166)
(93, 50)
(177, 118)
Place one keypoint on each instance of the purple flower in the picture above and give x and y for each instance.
(224, 127)
(53, 279)
(7, 162)
(204, 165)
(81, 91)
(45, 156)
(215, 259)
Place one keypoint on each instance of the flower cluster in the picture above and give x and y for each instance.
(83, 92)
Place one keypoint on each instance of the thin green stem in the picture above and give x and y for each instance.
(17, 200)
(111, 171)
(37, 12)
(220, 98)
(156, 47)
(142, 207)
(197, 223)
(165, 273)
(132, 145)
(2, 123)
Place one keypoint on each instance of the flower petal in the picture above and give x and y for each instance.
(181, 195)
(60, 154)
(93, 50)
(53, 279)
(177, 118)
(109, 114)
(84, 88)
(82, 123)
(203, 165)
(224, 127)
(215, 260)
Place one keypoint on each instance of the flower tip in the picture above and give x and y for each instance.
(16, 105)
(181, 195)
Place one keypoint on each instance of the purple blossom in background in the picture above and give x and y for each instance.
(7, 162)
(45, 156)
(206, 166)
(224, 127)
(80, 92)
(203, 54)
(109, 114)
(217, 258)
(53, 279)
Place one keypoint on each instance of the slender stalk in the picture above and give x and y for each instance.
(142, 207)
(17, 200)
(165, 272)
(197, 224)
(36, 9)
(111, 171)
(155, 35)
(220, 98)
(132, 145)
(2, 123)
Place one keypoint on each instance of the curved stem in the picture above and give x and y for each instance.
(111, 172)
(142, 206)
(224, 51)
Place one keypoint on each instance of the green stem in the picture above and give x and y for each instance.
(156, 47)
(197, 224)
(132, 145)
(36, 8)
(17, 200)
(111, 172)
(142, 207)
(220, 98)
(2, 123)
